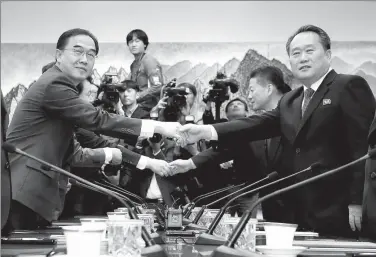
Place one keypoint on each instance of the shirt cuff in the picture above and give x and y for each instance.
(141, 165)
(193, 166)
(214, 134)
(147, 128)
(108, 155)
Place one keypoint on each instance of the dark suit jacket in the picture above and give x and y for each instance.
(333, 131)
(6, 191)
(369, 194)
(166, 184)
(43, 125)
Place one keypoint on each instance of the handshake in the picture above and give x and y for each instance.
(165, 169)
(184, 135)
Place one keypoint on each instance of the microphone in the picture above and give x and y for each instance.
(194, 226)
(119, 190)
(192, 205)
(151, 248)
(227, 249)
(79, 184)
(209, 239)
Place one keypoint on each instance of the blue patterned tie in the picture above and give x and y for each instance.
(307, 97)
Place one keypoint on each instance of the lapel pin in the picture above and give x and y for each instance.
(326, 101)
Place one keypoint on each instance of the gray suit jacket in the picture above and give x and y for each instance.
(43, 125)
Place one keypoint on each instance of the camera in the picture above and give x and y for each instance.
(219, 92)
(110, 88)
(175, 102)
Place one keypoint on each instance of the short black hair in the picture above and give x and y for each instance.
(272, 75)
(140, 34)
(63, 39)
(324, 37)
(125, 84)
(239, 100)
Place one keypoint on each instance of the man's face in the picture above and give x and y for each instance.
(136, 46)
(128, 97)
(236, 110)
(258, 94)
(89, 91)
(308, 59)
(78, 58)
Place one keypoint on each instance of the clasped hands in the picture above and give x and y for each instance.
(183, 135)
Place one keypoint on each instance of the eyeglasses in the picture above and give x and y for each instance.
(79, 51)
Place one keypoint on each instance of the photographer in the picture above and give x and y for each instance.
(177, 105)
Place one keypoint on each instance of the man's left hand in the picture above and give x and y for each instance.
(355, 217)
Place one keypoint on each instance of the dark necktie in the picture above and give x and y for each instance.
(307, 97)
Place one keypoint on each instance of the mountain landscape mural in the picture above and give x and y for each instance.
(195, 63)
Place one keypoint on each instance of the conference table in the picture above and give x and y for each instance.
(320, 247)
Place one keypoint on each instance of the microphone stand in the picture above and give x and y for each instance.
(227, 249)
(194, 226)
(189, 209)
(74, 182)
(151, 248)
(209, 239)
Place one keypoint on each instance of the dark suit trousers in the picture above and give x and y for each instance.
(23, 218)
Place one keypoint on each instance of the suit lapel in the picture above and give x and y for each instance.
(316, 99)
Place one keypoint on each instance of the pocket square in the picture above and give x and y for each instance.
(326, 101)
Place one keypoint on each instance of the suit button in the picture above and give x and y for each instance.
(7, 166)
(373, 175)
(297, 151)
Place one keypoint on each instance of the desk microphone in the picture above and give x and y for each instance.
(151, 248)
(187, 212)
(209, 239)
(194, 225)
(119, 190)
(79, 184)
(227, 249)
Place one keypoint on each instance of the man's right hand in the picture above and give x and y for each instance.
(191, 133)
(159, 167)
(181, 166)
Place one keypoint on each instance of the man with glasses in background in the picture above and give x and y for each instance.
(43, 125)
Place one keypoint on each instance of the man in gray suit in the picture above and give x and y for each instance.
(43, 124)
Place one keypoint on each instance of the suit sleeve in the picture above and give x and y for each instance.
(255, 127)
(358, 108)
(61, 100)
(89, 139)
(154, 72)
(209, 157)
(86, 157)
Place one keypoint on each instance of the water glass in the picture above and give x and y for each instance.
(124, 238)
(148, 220)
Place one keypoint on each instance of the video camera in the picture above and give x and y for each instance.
(175, 102)
(110, 88)
(219, 92)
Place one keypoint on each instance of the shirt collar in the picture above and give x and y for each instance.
(130, 112)
(316, 85)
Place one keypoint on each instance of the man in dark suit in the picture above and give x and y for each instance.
(369, 194)
(43, 125)
(6, 191)
(326, 120)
